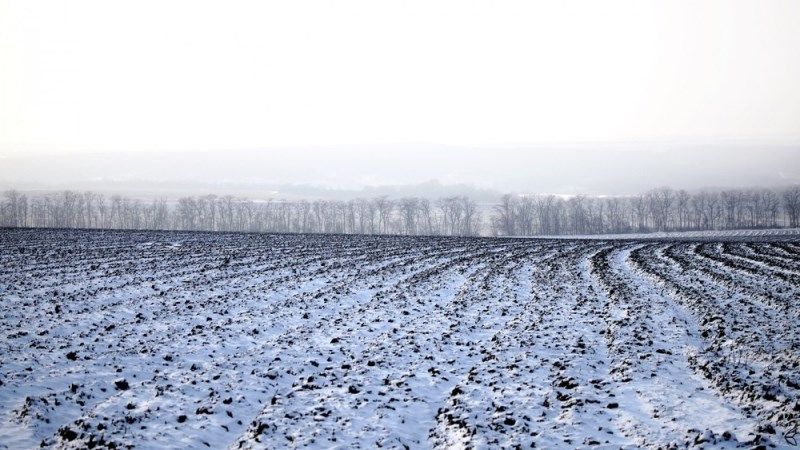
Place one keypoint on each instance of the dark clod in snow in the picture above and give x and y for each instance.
(568, 384)
(182, 418)
(72, 356)
(613, 405)
(766, 428)
(352, 390)
(67, 433)
(122, 384)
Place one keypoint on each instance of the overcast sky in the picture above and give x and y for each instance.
(191, 76)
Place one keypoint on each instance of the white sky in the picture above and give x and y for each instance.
(189, 75)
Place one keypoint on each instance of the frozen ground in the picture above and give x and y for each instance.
(197, 340)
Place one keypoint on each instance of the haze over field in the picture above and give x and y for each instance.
(569, 97)
(408, 170)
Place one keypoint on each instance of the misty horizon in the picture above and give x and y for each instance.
(271, 100)
(419, 170)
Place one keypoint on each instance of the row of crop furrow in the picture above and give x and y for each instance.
(262, 345)
(544, 364)
(391, 314)
(768, 256)
(734, 359)
(725, 254)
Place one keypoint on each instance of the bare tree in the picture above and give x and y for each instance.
(471, 220)
(506, 215)
(409, 209)
(15, 209)
(791, 203)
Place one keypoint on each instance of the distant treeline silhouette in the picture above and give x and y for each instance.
(661, 209)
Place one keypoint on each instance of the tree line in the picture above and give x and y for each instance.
(457, 216)
(661, 209)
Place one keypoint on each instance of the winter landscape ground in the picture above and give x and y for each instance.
(214, 340)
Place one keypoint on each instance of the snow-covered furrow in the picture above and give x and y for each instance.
(766, 257)
(789, 248)
(255, 335)
(751, 349)
(542, 381)
(721, 253)
(651, 337)
(388, 337)
(114, 339)
(734, 285)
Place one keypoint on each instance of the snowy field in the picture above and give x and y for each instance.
(199, 340)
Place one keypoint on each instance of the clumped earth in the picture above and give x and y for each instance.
(201, 340)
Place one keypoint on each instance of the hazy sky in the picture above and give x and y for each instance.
(144, 76)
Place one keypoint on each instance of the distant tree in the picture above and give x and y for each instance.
(15, 209)
(471, 221)
(507, 215)
(791, 203)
